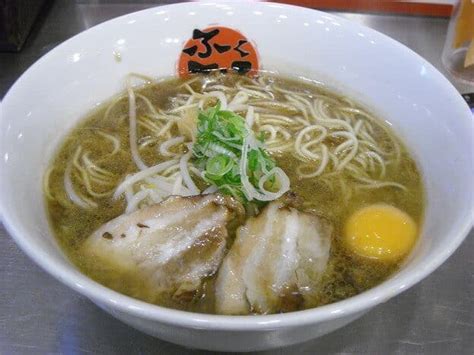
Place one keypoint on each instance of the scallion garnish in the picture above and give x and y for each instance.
(222, 140)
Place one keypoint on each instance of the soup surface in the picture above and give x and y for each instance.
(338, 157)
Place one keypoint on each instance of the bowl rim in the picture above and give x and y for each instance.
(111, 299)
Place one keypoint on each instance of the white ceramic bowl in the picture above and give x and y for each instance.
(423, 107)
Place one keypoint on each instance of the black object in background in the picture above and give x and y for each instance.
(16, 20)
(469, 99)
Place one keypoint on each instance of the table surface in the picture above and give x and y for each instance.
(39, 315)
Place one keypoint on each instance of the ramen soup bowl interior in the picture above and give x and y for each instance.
(420, 104)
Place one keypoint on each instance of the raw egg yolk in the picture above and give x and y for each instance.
(380, 232)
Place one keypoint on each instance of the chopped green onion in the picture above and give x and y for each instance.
(219, 165)
(222, 138)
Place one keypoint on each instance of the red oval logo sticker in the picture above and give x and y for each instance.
(218, 48)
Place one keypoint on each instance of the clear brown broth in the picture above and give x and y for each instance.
(346, 275)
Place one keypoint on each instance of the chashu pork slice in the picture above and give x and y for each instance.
(276, 260)
(173, 245)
